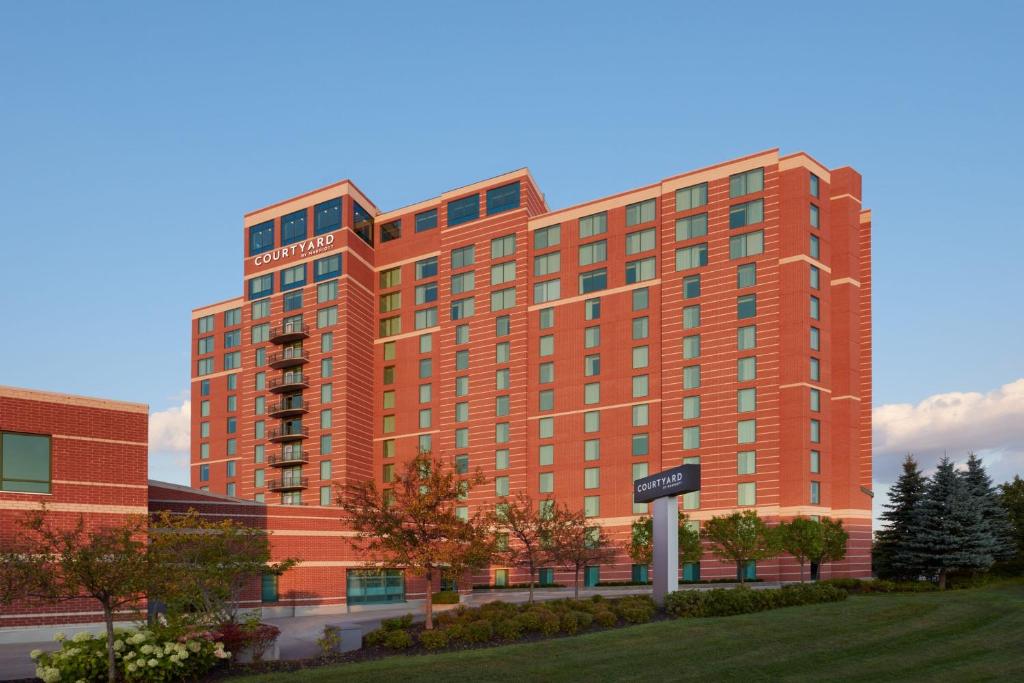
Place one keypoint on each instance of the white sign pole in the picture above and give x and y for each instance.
(666, 547)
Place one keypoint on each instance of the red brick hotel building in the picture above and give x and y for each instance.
(720, 316)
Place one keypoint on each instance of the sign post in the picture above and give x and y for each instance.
(664, 488)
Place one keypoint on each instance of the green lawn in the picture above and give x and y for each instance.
(962, 635)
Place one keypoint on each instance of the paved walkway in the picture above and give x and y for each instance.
(299, 634)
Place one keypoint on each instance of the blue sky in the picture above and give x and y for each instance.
(134, 136)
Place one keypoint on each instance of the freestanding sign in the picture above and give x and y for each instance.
(663, 488)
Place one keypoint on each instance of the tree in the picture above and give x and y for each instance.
(641, 541)
(803, 539)
(576, 544)
(1011, 496)
(415, 523)
(950, 532)
(894, 557)
(994, 515)
(531, 530)
(834, 540)
(202, 566)
(108, 564)
(740, 537)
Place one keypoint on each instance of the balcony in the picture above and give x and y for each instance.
(288, 458)
(289, 381)
(287, 358)
(282, 434)
(288, 407)
(288, 484)
(288, 332)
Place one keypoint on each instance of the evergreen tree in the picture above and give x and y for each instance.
(979, 484)
(894, 558)
(949, 531)
(1011, 496)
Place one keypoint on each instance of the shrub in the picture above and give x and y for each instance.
(636, 609)
(434, 639)
(445, 598)
(375, 637)
(456, 633)
(569, 622)
(530, 621)
(550, 623)
(508, 629)
(330, 641)
(723, 602)
(397, 640)
(397, 623)
(479, 631)
(606, 618)
(879, 585)
(586, 619)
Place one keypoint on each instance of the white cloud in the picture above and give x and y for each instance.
(169, 429)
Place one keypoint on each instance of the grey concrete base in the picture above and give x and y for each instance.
(351, 638)
(38, 634)
(272, 654)
(286, 611)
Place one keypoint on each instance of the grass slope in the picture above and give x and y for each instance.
(960, 635)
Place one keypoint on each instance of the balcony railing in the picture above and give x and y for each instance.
(289, 332)
(287, 407)
(288, 458)
(278, 434)
(287, 358)
(289, 381)
(288, 484)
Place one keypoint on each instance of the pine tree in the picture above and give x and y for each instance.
(993, 513)
(949, 532)
(893, 555)
(1011, 497)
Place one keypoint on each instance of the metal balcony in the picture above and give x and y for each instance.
(289, 332)
(288, 484)
(287, 358)
(289, 381)
(288, 407)
(288, 458)
(281, 434)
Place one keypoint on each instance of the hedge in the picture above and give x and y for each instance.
(726, 602)
(880, 586)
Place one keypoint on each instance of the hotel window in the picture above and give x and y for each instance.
(592, 337)
(691, 317)
(462, 412)
(641, 327)
(327, 267)
(592, 365)
(389, 375)
(426, 268)
(260, 309)
(326, 393)
(293, 277)
(815, 339)
(388, 448)
(502, 247)
(325, 444)
(326, 418)
(231, 467)
(592, 253)
(232, 403)
(501, 459)
(204, 408)
(388, 399)
(592, 309)
(546, 372)
(326, 317)
(503, 325)
(746, 462)
(25, 463)
(258, 478)
(746, 493)
(815, 462)
(501, 273)
(388, 425)
(746, 275)
(549, 290)
(425, 417)
(233, 382)
(426, 342)
(325, 495)
(691, 407)
(461, 464)
(691, 227)
(592, 449)
(691, 377)
(233, 317)
(546, 482)
(691, 438)
(390, 302)
(501, 487)
(462, 359)
(640, 270)
(546, 427)
(691, 197)
(640, 444)
(746, 337)
(594, 224)
(501, 432)
(691, 287)
(391, 230)
(362, 223)
(261, 381)
(427, 317)
(592, 478)
(261, 238)
(546, 316)
(390, 326)
(501, 300)
(204, 473)
(815, 431)
(815, 216)
(641, 357)
(427, 293)
(463, 257)
(815, 308)
(232, 360)
(501, 381)
(261, 286)
(640, 241)
(641, 415)
(815, 493)
(461, 438)
(292, 301)
(815, 278)
(504, 198)
(591, 508)
(592, 422)
(461, 335)
(815, 369)
(426, 220)
(815, 186)
(546, 400)
(206, 345)
(326, 367)
(503, 350)
(691, 347)
(463, 210)
(426, 393)
(746, 306)
(546, 264)
(640, 212)
(592, 393)
(692, 257)
(327, 216)
(746, 400)
(260, 333)
(641, 298)
(204, 429)
(815, 247)
(293, 227)
(746, 369)
(391, 277)
(747, 244)
(546, 455)
(547, 237)
(815, 400)
(327, 344)
(746, 183)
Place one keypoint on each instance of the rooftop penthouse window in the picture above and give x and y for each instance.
(391, 230)
(261, 238)
(293, 227)
(362, 223)
(327, 216)
(463, 210)
(504, 198)
(426, 220)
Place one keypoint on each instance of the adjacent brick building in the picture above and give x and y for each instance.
(720, 316)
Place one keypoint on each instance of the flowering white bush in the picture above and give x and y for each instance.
(142, 655)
